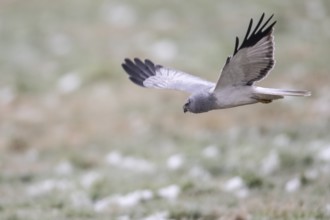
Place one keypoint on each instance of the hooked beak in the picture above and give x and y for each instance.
(185, 108)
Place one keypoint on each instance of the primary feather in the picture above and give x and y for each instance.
(149, 75)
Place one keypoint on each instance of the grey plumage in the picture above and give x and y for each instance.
(149, 75)
(251, 62)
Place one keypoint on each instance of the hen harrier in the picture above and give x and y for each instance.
(250, 62)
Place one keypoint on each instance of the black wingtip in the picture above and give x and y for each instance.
(249, 29)
(236, 45)
(138, 70)
(251, 38)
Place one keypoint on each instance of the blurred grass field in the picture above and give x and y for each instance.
(79, 141)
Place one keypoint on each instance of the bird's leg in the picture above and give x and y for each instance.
(265, 101)
(262, 100)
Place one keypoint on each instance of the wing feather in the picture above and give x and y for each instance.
(147, 74)
(251, 60)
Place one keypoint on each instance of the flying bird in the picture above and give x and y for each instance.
(251, 61)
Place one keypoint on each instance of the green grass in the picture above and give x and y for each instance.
(55, 144)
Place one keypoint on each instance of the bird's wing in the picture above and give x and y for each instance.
(149, 75)
(253, 59)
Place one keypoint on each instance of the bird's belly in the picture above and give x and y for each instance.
(234, 96)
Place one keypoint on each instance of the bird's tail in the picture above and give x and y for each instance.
(268, 94)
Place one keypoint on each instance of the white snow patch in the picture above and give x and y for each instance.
(49, 185)
(69, 82)
(200, 173)
(282, 140)
(114, 158)
(80, 199)
(130, 163)
(133, 198)
(233, 184)
(7, 95)
(175, 161)
(90, 178)
(103, 204)
(123, 217)
(157, 216)
(293, 185)
(324, 154)
(242, 193)
(64, 168)
(327, 209)
(170, 192)
(236, 185)
(124, 201)
(210, 151)
(270, 163)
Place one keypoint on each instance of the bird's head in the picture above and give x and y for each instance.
(186, 106)
(198, 103)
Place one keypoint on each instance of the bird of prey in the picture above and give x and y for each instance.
(251, 61)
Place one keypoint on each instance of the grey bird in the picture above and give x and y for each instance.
(251, 61)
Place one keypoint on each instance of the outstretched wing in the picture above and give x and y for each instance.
(149, 75)
(253, 59)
